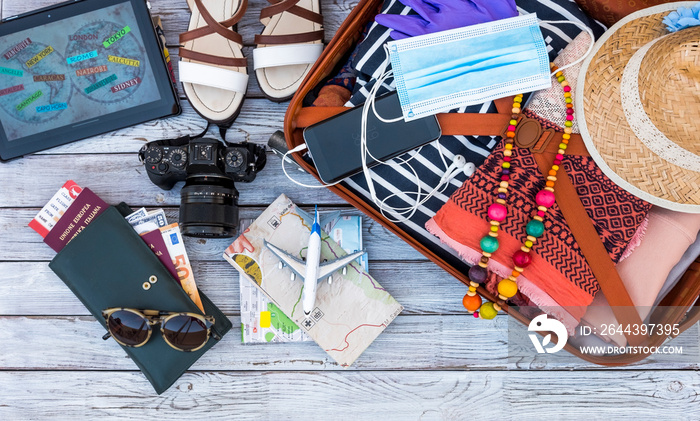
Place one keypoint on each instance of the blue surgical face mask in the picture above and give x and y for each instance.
(471, 65)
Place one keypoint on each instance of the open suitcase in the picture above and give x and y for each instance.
(681, 305)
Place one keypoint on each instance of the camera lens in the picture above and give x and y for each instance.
(209, 207)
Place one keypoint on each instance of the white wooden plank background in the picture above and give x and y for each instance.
(433, 362)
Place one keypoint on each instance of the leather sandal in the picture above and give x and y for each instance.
(213, 70)
(288, 46)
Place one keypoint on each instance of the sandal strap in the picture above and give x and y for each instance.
(202, 74)
(289, 39)
(291, 7)
(285, 55)
(212, 59)
(221, 28)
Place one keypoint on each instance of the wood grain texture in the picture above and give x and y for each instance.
(21, 243)
(421, 287)
(121, 177)
(435, 342)
(446, 395)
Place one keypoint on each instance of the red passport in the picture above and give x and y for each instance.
(84, 209)
(154, 241)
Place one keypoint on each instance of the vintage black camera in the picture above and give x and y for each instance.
(209, 206)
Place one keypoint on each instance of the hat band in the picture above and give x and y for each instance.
(639, 120)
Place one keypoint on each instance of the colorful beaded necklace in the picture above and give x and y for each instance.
(497, 213)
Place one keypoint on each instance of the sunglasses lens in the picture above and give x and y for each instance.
(128, 328)
(185, 332)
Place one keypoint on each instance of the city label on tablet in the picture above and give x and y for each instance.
(91, 70)
(49, 78)
(11, 90)
(11, 72)
(22, 105)
(52, 107)
(82, 57)
(37, 58)
(116, 37)
(128, 84)
(98, 85)
(126, 61)
(17, 48)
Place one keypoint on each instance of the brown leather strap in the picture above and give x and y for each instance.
(221, 28)
(593, 250)
(211, 59)
(451, 124)
(289, 39)
(291, 7)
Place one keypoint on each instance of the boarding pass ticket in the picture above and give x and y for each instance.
(47, 217)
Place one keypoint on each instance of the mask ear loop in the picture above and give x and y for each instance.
(590, 47)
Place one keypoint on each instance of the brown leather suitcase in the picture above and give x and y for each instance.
(681, 305)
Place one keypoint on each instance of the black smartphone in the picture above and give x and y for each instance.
(334, 144)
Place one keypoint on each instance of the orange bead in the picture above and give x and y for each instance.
(510, 134)
(550, 183)
(515, 274)
(552, 172)
(569, 105)
(471, 302)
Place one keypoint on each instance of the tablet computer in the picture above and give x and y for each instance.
(78, 69)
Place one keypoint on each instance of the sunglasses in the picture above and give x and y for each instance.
(182, 331)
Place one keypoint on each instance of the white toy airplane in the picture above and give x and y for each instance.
(312, 270)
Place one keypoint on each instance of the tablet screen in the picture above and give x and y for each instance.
(74, 70)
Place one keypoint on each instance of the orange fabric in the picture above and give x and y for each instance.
(468, 229)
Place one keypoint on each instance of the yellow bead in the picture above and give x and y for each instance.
(559, 73)
(567, 94)
(555, 167)
(528, 243)
(494, 228)
(472, 289)
(506, 165)
(509, 146)
(513, 122)
(507, 288)
(562, 146)
(566, 136)
(518, 99)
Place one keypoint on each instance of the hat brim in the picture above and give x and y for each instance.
(625, 159)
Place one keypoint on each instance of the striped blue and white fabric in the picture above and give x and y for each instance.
(369, 62)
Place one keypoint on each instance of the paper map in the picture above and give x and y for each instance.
(350, 313)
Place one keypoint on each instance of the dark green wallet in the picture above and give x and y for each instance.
(106, 265)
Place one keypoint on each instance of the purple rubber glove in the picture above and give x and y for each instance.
(440, 15)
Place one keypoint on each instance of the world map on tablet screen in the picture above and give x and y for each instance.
(73, 70)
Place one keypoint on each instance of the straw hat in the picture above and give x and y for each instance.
(639, 108)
